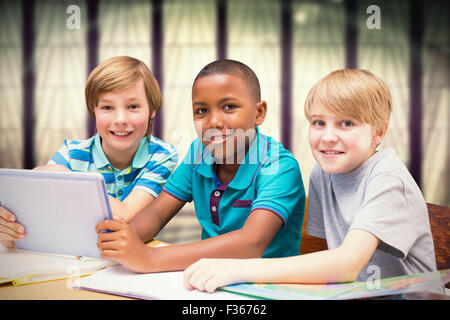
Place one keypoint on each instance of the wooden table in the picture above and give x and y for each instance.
(55, 290)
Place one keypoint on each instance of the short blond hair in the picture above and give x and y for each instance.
(355, 93)
(118, 73)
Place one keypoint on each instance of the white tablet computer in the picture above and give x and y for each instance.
(59, 210)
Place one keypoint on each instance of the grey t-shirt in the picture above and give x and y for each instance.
(382, 198)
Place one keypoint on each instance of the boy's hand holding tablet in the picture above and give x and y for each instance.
(10, 230)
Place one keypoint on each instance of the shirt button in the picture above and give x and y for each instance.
(120, 192)
(119, 178)
(217, 193)
(213, 209)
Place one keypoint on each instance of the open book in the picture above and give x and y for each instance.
(353, 290)
(169, 285)
(24, 267)
(121, 281)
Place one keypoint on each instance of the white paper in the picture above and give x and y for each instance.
(15, 263)
(164, 285)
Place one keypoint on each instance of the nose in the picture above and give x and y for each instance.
(120, 117)
(329, 135)
(215, 120)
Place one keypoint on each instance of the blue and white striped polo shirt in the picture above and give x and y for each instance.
(152, 164)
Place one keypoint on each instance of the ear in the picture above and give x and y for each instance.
(152, 116)
(261, 111)
(379, 134)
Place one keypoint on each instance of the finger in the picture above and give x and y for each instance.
(189, 270)
(120, 219)
(6, 214)
(103, 225)
(8, 244)
(212, 284)
(187, 285)
(107, 236)
(196, 276)
(114, 245)
(109, 254)
(112, 225)
(187, 280)
(8, 237)
(199, 281)
(111, 244)
(11, 228)
(188, 274)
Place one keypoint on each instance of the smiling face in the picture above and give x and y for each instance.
(122, 119)
(225, 115)
(340, 144)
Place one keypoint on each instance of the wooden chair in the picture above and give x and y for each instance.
(309, 243)
(440, 229)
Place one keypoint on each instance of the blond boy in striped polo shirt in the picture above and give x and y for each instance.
(123, 97)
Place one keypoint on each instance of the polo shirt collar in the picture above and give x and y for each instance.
(204, 160)
(100, 159)
(255, 156)
(139, 159)
(246, 171)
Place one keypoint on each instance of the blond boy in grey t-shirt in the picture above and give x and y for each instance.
(379, 197)
(363, 202)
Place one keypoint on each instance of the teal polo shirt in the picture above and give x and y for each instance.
(268, 179)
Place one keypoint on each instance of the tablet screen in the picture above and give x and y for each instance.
(59, 210)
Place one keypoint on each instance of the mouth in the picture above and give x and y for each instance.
(219, 138)
(121, 133)
(331, 152)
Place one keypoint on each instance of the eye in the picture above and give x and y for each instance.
(133, 107)
(105, 108)
(346, 123)
(229, 107)
(200, 111)
(319, 123)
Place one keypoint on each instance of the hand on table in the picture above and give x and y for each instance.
(210, 274)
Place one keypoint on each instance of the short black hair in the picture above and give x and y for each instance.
(234, 68)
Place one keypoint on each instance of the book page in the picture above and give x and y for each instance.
(16, 263)
(163, 285)
(352, 290)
